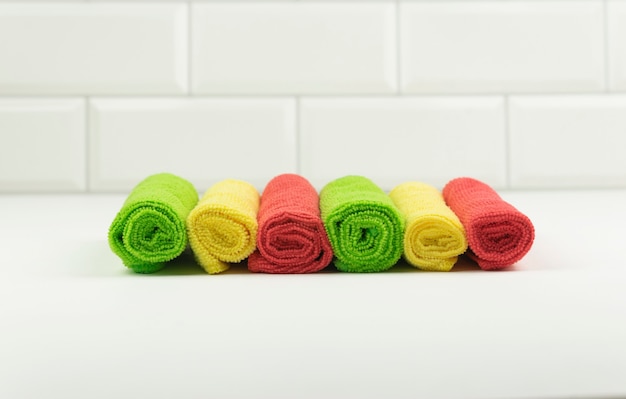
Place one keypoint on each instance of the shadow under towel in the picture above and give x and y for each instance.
(149, 230)
(498, 234)
(291, 237)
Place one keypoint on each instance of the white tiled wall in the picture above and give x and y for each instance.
(502, 46)
(565, 141)
(42, 144)
(96, 95)
(294, 48)
(93, 49)
(396, 139)
(202, 139)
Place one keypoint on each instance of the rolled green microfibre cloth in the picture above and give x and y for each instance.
(364, 226)
(150, 230)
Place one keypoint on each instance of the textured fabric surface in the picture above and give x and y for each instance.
(150, 228)
(364, 227)
(498, 234)
(291, 236)
(223, 226)
(434, 236)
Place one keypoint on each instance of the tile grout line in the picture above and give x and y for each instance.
(507, 142)
(189, 47)
(344, 95)
(297, 140)
(607, 68)
(398, 44)
(87, 124)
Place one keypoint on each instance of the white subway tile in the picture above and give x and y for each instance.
(502, 46)
(42, 145)
(201, 139)
(95, 48)
(299, 47)
(392, 140)
(616, 13)
(559, 141)
(141, 1)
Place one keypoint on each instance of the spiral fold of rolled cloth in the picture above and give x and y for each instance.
(364, 227)
(149, 230)
(223, 226)
(497, 233)
(291, 237)
(434, 236)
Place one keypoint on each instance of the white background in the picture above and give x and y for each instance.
(527, 95)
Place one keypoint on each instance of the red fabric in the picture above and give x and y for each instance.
(498, 234)
(291, 236)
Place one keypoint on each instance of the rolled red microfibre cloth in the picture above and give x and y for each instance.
(291, 236)
(497, 233)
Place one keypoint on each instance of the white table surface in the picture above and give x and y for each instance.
(74, 323)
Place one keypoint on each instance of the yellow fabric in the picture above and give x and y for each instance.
(222, 228)
(434, 237)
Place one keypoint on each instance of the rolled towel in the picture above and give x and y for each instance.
(291, 236)
(363, 225)
(434, 236)
(149, 230)
(222, 227)
(498, 234)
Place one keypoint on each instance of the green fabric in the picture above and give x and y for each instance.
(364, 227)
(149, 230)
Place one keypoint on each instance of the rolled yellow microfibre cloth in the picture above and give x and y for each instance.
(222, 228)
(434, 236)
